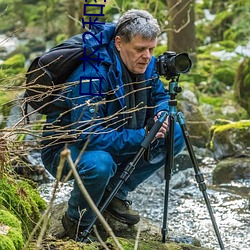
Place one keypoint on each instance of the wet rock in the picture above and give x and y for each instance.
(181, 179)
(231, 169)
(197, 125)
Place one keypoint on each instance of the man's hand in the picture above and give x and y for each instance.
(164, 128)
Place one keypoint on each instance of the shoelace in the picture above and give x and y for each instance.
(127, 203)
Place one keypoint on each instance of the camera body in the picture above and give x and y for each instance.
(171, 65)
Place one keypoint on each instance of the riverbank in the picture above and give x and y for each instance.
(188, 216)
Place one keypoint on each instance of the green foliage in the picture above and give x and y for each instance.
(229, 23)
(160, 49)
(60, 38)
(156, 8)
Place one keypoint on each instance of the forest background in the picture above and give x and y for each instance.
(214, 33)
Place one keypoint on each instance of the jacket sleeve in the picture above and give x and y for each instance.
(89, 121)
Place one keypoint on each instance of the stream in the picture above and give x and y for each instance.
(187, 212)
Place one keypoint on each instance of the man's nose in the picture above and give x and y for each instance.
(146, 54)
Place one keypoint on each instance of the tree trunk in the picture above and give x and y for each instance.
(181, 27)
(72, 19)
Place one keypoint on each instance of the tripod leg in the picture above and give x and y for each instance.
(199, 177)
(129, 168)
(168, 173)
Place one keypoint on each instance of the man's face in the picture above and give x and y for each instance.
(137, 53)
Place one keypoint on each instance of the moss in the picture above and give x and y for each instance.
(22, 200)
(212, 100)
(6, 243)
(228, 45)
(13, 239)
(236, 125)
(219, 104)
(16, 237)
(17, 61)
(13, 71)
(238, 128)
(8, 219)
(225, 75)
(128, 244)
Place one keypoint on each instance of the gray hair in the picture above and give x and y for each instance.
(137, 22)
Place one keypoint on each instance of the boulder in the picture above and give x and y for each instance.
(230, 140)
(150, 235)
(231, 169)
(197, 125)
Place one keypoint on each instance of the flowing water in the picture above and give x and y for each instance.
(187, 212)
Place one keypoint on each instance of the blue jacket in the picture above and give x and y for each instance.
(100, 119)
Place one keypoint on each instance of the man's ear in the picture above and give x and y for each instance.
(118, 42)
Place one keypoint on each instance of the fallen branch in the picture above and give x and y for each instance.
(66, 154)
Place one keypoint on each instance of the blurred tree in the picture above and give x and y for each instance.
(72, 13)
(181, 26)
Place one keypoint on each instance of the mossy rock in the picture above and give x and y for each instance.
(13, 71)
(232, 139)
(22, 200)
(128, 244)
(225, 75)
(16, 61)
(219, 107)
(10, 231)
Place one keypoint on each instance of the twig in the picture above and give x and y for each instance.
(137, 236)
(99, 238)
(66, 154)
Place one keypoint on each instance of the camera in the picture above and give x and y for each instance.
(171, 65)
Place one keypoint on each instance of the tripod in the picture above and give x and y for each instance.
(173, 90)
(169, 163)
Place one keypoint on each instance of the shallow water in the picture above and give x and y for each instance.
(187, 212)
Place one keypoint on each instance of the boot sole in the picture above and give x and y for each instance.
(121, 219)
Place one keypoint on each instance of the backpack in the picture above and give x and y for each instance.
(48, 73)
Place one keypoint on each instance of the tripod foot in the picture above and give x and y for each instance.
(164, 232)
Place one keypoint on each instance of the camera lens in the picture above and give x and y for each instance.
(182, 63)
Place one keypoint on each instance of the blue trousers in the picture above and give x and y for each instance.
(100, 170)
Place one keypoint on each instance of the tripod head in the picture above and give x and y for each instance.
(174, 89)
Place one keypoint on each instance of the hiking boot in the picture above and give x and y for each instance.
(75, 231)
(121, 211)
